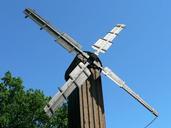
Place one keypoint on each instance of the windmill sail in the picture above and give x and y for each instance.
(108, 72)
(103, 44)
(62, 38)
(77, 77)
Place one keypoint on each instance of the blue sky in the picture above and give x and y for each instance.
(140, 55)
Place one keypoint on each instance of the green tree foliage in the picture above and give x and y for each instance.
(20, 108)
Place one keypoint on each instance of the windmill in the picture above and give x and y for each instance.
(81, 72)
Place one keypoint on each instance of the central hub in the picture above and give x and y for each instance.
(79, 58)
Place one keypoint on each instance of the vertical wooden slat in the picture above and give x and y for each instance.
(81, 106)
(90, 99)
(100, 102)
(95, 97)
(85, 107)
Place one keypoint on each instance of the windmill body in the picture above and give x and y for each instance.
(85, 103)
(86, 67)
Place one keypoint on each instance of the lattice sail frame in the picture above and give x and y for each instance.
(103, 44)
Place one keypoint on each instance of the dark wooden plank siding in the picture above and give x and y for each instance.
(85, 104)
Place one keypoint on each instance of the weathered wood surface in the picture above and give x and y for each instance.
(85, 104)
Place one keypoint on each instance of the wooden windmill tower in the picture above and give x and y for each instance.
(83, 80)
